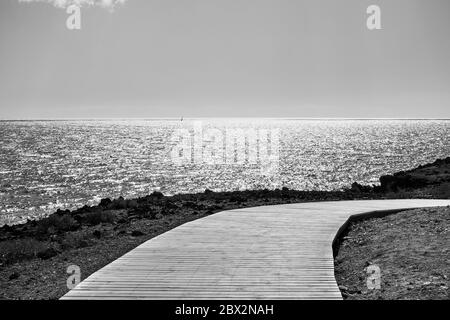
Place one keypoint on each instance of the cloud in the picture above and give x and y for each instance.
(107, 4)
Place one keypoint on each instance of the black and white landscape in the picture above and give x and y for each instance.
(231, 149)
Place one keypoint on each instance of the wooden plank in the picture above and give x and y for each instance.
(269, 252)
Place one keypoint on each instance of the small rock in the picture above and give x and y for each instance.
(105, 202)
(97, 234)
(51, 230)
(157, 194)
(358, 188)
(121, 203)
(83, 244)
(345, 294)
(47, 253)
(368, 263)
(343, 288)
(132, 204)
(14, 276)
(137, 233)
(133, 216)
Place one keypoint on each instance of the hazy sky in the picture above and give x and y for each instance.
(214, 58)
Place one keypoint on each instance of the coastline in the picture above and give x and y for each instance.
(35, 255)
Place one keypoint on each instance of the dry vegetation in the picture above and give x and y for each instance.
(411, 248)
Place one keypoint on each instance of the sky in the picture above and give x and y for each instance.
(226, 58)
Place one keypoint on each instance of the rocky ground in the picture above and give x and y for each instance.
(34, 256)
(45, 277)
(411, 248)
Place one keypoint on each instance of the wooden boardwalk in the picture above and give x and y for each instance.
(269, 252)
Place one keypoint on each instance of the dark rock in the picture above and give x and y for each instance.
(137, 233)
(105, 202)
(235, 199)
(368, 263)
(403, 181)
(83, 244)
(14, 276)
(120, 203)
(422, 176)
(52, 230)
(47, 253)
(157, 194)
(345, 294)
(84, 209)
(133, 216)
(343, 288)
(170, 206)
(122, 220)
(8, 228)
(132, 204)
(359, 188)
(97, 234)
(190, 204)
(354, 291)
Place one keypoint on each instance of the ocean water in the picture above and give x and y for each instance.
(45, 165)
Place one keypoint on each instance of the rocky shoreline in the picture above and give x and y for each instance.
(91, 237)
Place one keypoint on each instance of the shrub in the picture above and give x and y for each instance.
(97, 217)
(443, 191)
(57, 223)
(12, 251)
(75, 241)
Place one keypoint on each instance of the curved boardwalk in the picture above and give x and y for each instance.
(269, 252)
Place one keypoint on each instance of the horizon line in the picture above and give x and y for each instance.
(219, 118)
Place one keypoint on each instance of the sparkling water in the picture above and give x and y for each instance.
(45, 165)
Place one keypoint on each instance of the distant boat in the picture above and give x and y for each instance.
(181, 119)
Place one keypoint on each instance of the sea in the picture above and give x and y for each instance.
(47, 165)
